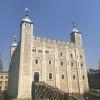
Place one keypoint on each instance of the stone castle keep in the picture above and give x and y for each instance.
(58, 63)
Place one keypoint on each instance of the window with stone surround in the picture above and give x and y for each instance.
(49, 62)
(36, 61)
(50, 76)
(71, 55)
(74, 77)
(62, 76)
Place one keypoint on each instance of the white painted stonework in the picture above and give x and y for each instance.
(64, 60)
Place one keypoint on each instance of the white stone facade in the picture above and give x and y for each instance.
(3, 81)
(58, 63)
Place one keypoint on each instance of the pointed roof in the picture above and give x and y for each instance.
(14, 44)
(26, 19)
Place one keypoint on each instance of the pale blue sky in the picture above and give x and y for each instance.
(52, 19)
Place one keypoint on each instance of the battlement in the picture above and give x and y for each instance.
(47, 40)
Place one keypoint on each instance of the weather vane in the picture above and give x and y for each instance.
(15, 39)
(26, 12)
(73, 23)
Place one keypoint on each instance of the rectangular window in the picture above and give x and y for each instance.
(1, 77)
(39, 51)
(6, 77)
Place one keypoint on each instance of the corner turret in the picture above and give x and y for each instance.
(13, 47)
(76, 35)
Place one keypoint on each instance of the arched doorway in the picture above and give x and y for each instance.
(36, 77)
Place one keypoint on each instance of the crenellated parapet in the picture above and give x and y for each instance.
(49, 41)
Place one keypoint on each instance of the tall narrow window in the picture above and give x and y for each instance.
(61, 63)
(49, 62)
(50, 75)
(62, 76)
(36, 61)
(61, 54)
(72, 64)
(81, 65)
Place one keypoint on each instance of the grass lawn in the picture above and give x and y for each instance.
(95, 94)
(1, 97)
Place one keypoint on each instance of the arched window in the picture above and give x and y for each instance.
(49, 62)
(62, 76)
(61, 63)
(50, 75)
(36, 77)
(36, 61)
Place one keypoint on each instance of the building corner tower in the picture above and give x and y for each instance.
(82, 78)
(20, 69)
(25, 70)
